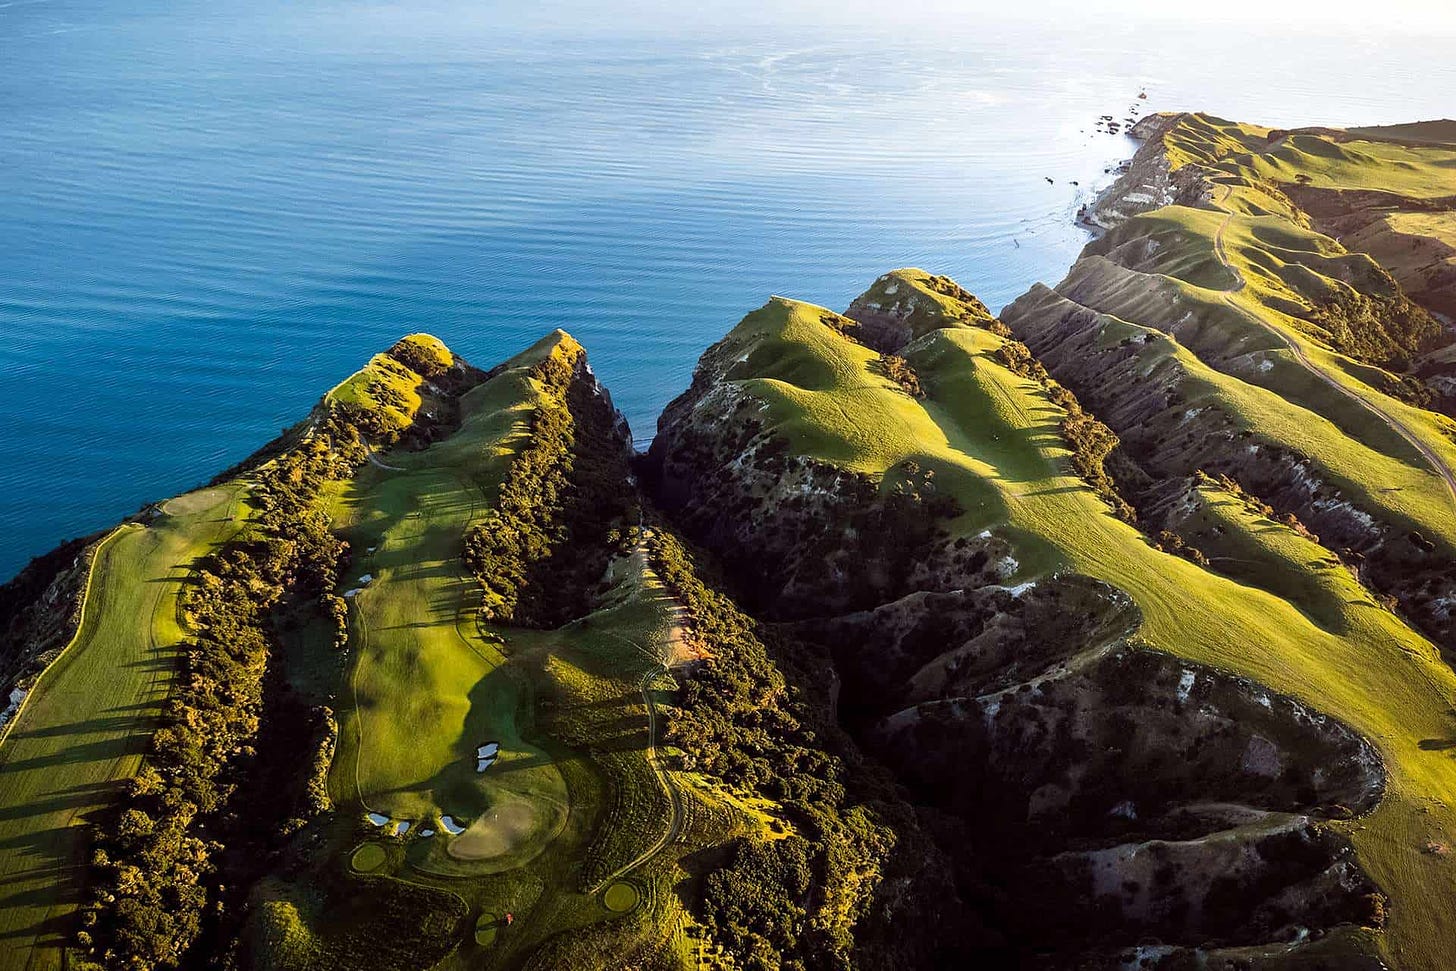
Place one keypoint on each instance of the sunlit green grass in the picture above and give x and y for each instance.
(996, 431)
(429, 684)
(90, 716)
(426, 687)
(1239, 364)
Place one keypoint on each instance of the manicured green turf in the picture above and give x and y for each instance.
(427, 687)
(991, 429)
(486, 928)
(620, 897)
(367, 858)
(89, 717)
(575, 801)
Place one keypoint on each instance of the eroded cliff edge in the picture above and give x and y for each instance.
(906, 489)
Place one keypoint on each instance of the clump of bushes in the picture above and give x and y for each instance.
(898, 370)
(1387, 331)
(155, 861)
(423, 355)
(1090, 440)
(1171, 542)
(792, 902)
(561, 509)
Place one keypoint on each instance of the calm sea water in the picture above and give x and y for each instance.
(212, 211)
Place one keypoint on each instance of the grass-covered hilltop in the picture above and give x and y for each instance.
(1113, 633)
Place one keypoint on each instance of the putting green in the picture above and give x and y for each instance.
(368, 858)
(427, 686)
(620, 897)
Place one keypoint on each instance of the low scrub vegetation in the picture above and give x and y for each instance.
(793, 902)
(562, 506)
(206, 783)
(1090, 440)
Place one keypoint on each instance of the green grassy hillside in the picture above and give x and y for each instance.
(86, 724)
(574, 825)
(1230, 332)
(993, 438)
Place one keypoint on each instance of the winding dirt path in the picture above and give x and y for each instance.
(664, 655)
(1433, 459)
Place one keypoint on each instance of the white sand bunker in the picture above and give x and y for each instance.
(426, 833)
(378, 819)
(401, 827)
(485, 755)
(448, 824)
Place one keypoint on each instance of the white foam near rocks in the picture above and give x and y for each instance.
(17, 698)
(448, 824)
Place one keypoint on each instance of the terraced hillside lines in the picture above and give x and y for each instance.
(428, 688)
(1437, 463)
(995, 428)
(88, 720)
(1221, 338)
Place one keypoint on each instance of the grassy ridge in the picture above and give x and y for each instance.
(993, 438)
(577, 806)
(427, 686)
(92, 714)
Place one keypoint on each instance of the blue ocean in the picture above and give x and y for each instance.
(210, 212)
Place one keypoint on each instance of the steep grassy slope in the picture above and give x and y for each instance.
(1220, 332)
(506, 777)
(993, 438)
(85, 726)
(422, 699)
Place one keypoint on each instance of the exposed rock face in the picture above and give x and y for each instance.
(806, 537)
(1138, 346)
(893, 312)
(1092, 793)
(1147, 182)
(40, 610)
(1136, 794)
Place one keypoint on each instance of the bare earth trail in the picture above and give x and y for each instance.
(667, 650)
(1394, 423)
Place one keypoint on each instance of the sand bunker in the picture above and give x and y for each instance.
(448, 824)
(485, 755)
(378, 819)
